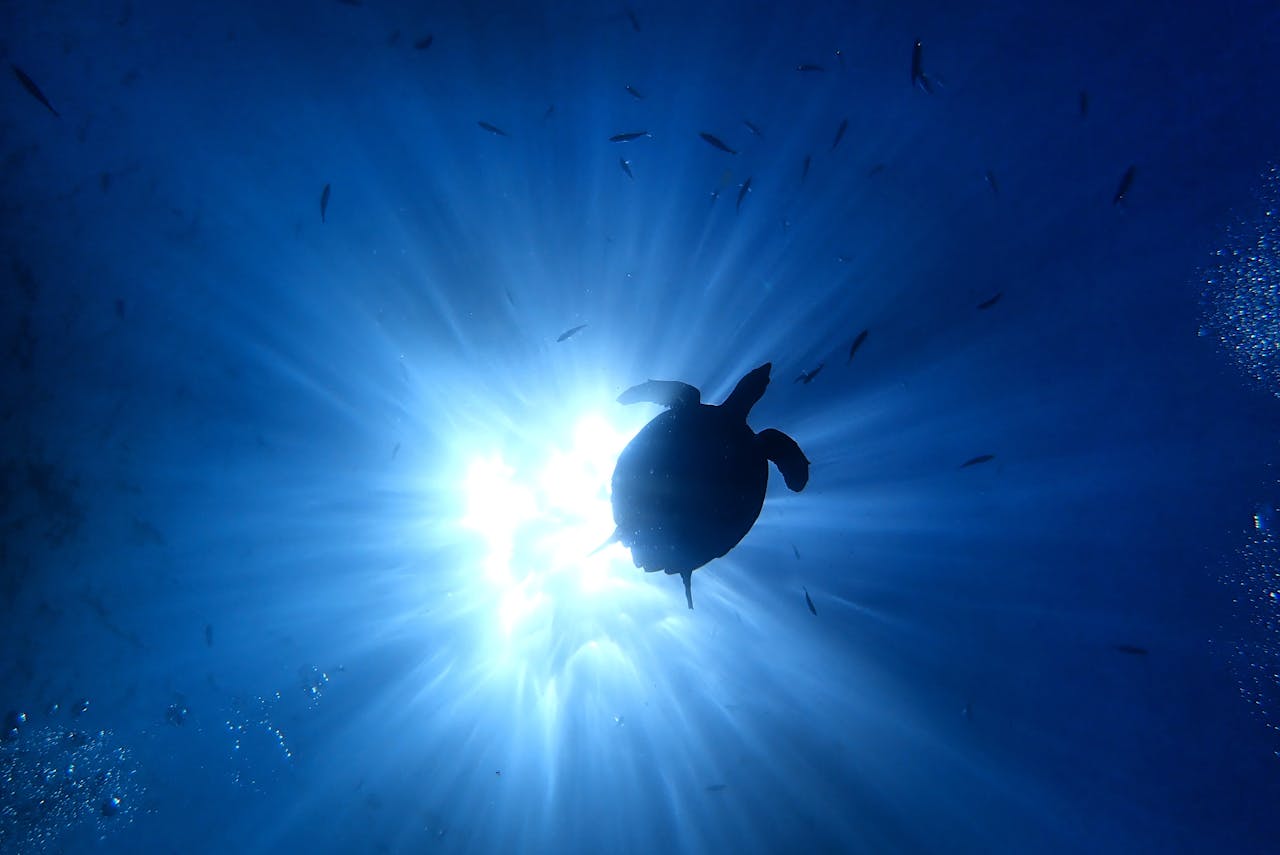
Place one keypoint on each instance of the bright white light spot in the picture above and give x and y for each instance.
(540, 517)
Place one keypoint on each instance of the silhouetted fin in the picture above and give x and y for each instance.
(665, 393)
(688, 586)
(787, 456)
(749, 390)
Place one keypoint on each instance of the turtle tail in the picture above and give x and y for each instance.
(613, 538)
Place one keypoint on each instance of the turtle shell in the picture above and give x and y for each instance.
(688, 488)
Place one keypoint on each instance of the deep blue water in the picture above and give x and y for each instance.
(295, 516)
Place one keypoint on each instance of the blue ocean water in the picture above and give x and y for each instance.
(299, 486)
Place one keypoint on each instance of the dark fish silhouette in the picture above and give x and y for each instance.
(742, 194)
(631, 90)
(804, 171)
(981, 458)
(324, 202)
(626, 167)
(631, 16)
(918, 77)
(991, 301)
(424, 42)
(1131, 649)
(30, 85)
(857, 343)
(1126, 181)
(844, 126)
(809, 66)
(796, 551)
(550, 109)
(991, 182)
(806, 377)
(808, 599)
(714, 788)
(1084, 104)
(752, 128)
(628, 137)
(208, 635)
(715, 142)
(493, 129)
(568, 334)
(875, 170)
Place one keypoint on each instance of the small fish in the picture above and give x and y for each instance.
(844, 126)
(1084, 104)
(806, 377)
(120, 308)
(981, 458)
(629, 136)
(991, 182)
(714, 788)
(742, 194)
(875, 170)
(752, 128)
(857, 343)
(809, 66)
(493, 129)
(1131, 649)
(324, 202)
(424, 42)
(631, 90)
(144, 533)
(550, 110)
(804, 171)
(796, 551)
(631, 16)
(991, 301)
(918, 77)
(715, 142)
(568, 334)
(626, 167)
(808, 599)
(1126, 181)
(208, 635)
(30, 85)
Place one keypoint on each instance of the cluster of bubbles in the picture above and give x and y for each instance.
(1241, 296)
(1241, 302)
(56, 779)
(1255, 579)
(255, 733)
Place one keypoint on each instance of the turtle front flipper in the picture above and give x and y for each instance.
(749, 390)
(665, 393)
(787, 456)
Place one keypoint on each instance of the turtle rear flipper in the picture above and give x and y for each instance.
(665, 393)
(787, 456)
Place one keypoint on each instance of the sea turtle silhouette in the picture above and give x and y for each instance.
(691, 483)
